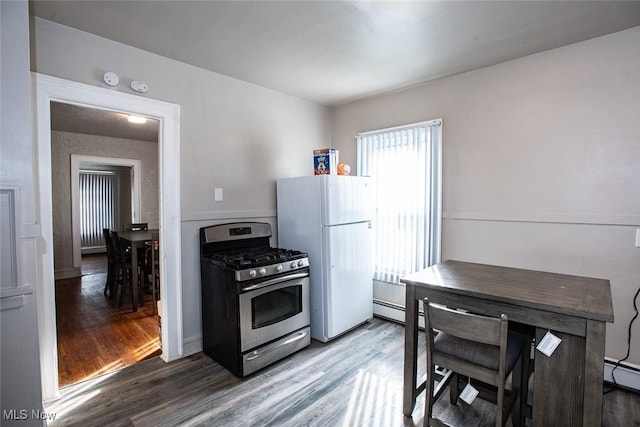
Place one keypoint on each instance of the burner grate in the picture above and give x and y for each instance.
(256, 257)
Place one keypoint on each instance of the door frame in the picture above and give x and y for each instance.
(46, 89)
(136, 194)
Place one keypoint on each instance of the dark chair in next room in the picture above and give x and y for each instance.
(109, 286)
(123, 277)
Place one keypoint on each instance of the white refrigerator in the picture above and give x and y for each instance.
(330, 218)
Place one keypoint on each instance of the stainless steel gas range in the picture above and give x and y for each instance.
(255, 298)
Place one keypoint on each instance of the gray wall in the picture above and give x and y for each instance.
(63, 145)
(234, 135)
(19, 355)
(541, 163)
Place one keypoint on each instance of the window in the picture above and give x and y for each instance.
(405, 166)
(98, 199)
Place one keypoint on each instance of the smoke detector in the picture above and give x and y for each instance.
(111, 78)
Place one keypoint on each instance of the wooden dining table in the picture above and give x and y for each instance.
(568, 384)
(136, 240)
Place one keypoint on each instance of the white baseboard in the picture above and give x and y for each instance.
(627, 375)
(67, 273)
(191, 345)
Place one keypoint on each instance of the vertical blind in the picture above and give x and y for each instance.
(405, 166)
(97, 206)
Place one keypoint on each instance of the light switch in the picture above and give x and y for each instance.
(637, 237)
(217, 194)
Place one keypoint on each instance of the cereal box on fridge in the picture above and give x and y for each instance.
(325, 161)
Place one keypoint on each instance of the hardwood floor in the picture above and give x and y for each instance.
(95, 336)
(355, 380)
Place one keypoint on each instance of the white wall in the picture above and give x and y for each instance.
(234, 135)
(541, 159)
(20, 361)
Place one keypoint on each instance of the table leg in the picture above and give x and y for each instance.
(410, 351)
(594, 373)
(559, 382)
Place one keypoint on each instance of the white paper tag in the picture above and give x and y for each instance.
(548, 344)
(468, 394)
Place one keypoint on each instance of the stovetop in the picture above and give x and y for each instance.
(244, 249)
(256, 257)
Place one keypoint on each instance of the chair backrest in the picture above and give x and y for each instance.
(472, 327)
(474, 346)
(108, 242)
(477, 330)
(136, 226)
(119, 249)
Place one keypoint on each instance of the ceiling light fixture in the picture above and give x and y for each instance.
(137, 119)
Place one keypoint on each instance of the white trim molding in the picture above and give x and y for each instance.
(206, 216)
(10, 239)
(550, 218)
(46, 89)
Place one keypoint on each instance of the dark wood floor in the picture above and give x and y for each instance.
(353, 381)
(95, 336)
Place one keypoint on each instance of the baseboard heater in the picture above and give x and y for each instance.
(626, 375)
(394, 312)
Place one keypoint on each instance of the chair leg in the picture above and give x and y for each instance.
(140, 286)
(107, 282)
(500, 405)
(429, 398)
(454, 391)
(122, 287)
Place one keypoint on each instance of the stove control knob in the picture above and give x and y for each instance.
(278, 268)
(252, 273)
(262, 271)
(293, 264)
(300, 263)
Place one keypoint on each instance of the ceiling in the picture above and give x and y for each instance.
(93, 121)
(333, 52)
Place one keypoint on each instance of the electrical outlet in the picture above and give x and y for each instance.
(217, 194)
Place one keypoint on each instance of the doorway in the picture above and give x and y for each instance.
(97, 331)
(47, 89)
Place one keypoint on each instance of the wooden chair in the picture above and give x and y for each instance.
(123, 276)
(109, 286)
(478, 347)
(136, 226)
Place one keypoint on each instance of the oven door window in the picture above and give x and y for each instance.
(276, 306)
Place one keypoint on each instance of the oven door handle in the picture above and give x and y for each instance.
(274, 281)
(257, 353)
